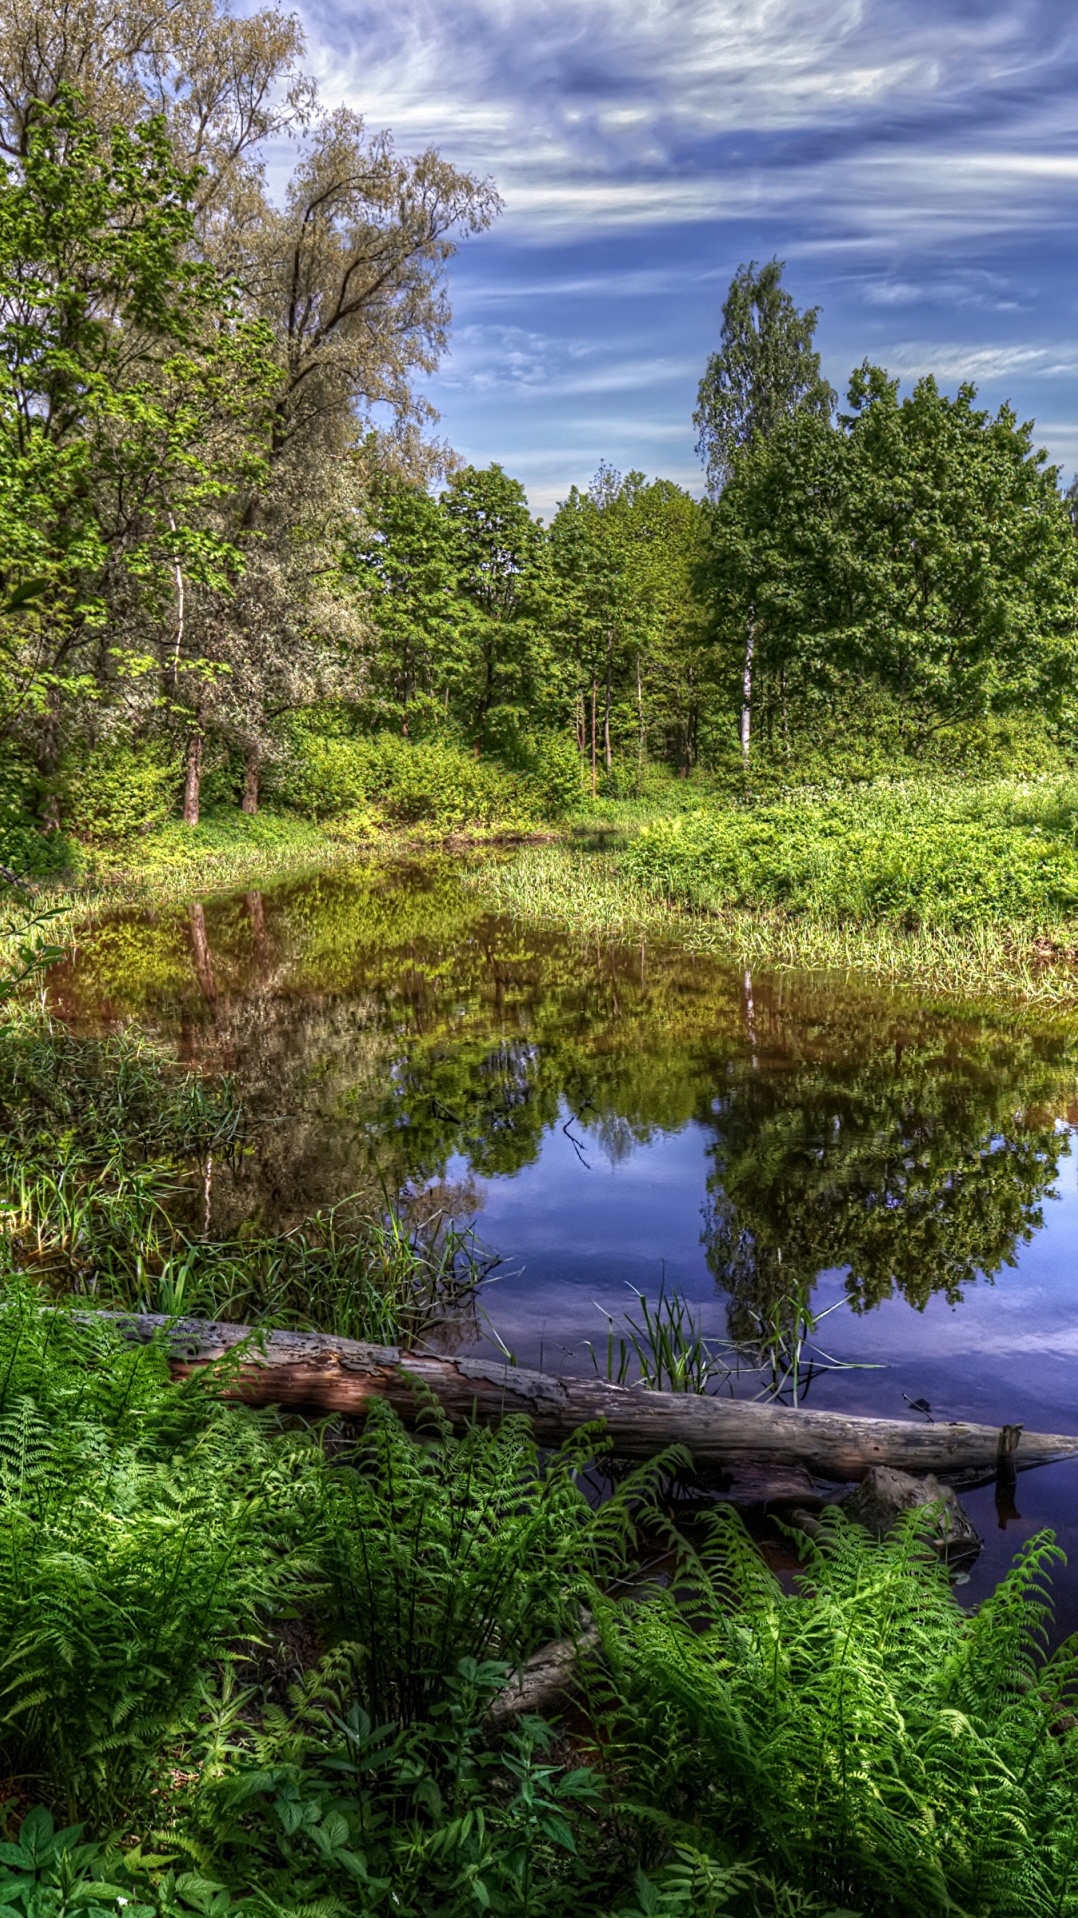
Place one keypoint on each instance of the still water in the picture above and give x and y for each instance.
(616, 1118)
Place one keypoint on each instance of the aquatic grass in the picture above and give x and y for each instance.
(105, 1148)
(598, 896)
(358, 1275)
(664, 1349)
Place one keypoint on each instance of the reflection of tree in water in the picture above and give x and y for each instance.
(917, 1163)
(382, 1024)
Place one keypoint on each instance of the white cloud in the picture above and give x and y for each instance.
(951, 360)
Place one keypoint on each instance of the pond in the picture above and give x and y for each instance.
(620, 1118)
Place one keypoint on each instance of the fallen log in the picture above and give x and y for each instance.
(546, 1678)
(314, 1373)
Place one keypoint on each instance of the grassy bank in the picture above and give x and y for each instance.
(598, 895)
(961, 887)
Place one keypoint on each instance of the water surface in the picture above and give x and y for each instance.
(619, 1117)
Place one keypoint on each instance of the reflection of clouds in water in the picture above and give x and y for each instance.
(442, 1201)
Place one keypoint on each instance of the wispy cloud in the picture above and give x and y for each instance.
(614, 112)
(915, 162)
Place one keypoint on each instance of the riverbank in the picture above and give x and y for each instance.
(957, 887)
(962, 887)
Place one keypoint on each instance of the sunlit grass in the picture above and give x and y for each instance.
(592, 894)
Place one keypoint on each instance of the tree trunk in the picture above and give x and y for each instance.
(640, 735)
(251, 776)
(608, 756)
(48, 762)
(315, 1373)
(192, 788)
(594, 762)
(746, 686)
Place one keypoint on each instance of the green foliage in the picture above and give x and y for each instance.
(124, 362)
(322, 1805)
(919, 551)
(48, 1873)
(913, 854)
(132, 1551)
(431, 783)
(451, 1548)
(117, 790)
(630, 621)
(766, 369)
(23, 848)
(867, 1738)
(278, 1661)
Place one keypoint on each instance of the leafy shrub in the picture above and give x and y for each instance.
(132, 1553)
(915, 855)
(23, 846)
(119, 789)
(433, 782)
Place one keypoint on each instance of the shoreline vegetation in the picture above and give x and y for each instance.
(954, 886)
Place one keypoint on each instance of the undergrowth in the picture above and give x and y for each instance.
(913, 854)
(255, 1664)
(608, 895)
(104, 1146)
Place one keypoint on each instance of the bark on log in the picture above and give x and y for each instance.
(315, 1373)
(545, 1679)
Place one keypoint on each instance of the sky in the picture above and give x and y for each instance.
(914, 163)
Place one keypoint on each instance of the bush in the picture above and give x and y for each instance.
(120, 788)
(132, 1554)
(429, 783)
(914, 854)
(23, 846)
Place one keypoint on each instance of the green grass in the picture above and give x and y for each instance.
(916, 855)
(957, 887)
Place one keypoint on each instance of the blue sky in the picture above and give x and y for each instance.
(915, 162)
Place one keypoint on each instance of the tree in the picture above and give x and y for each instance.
(920, 549)
(220, 83)
(766, 369)
(242, 608)
(625, 557)
(408, 564)
(134, 392)
(595, 609)
(501, 561)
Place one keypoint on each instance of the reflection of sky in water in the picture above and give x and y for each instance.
(575, 1237)
(579, 1227)
(386, 1024)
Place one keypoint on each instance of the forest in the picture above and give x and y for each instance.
(357, 826)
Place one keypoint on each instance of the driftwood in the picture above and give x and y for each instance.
(545, 1679)
(314, 1373)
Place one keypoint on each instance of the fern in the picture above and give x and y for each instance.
(863, 1735)
(143, 1534)
(439, 1548)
